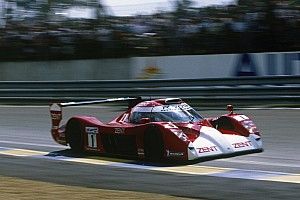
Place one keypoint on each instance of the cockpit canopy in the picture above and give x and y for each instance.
(178, 112)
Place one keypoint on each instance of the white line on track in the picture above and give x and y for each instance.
(187, 169)
(261, 163)
(33, 144)
(230, 161)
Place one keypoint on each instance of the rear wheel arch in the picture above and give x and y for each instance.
(223, 122)
(74, 135)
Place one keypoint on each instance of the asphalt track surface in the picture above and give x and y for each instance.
(28, 128)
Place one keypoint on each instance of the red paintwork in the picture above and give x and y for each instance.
(176, 136)
(239, 128)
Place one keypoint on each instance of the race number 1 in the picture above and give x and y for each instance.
(92, 136)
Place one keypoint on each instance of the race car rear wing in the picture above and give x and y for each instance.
(56, 113)
(80, 103)
(56, 108)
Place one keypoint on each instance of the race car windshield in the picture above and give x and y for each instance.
(176, 116)
(167, 113)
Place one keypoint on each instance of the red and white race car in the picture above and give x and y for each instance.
(157, 130)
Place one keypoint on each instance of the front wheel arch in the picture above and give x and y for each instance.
(153, 144)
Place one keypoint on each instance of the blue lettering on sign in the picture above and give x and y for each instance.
(245, 66)
(275, 64)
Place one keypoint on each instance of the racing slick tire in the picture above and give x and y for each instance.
(153, 144)
(74, 135)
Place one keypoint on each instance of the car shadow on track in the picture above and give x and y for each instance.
(68, 153)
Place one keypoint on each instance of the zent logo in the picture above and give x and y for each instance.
(242, 144)
(119, 130)
(207, 149)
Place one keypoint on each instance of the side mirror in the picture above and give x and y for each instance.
(230, 109)
(144, 120)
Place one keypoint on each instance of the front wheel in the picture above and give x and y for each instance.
(153, 144)
(74, 135)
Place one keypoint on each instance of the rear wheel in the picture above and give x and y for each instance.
(74, 135)
(153, 144)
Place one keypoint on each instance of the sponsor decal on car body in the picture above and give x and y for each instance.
(140, 152)
(91, 130)
(242, 144)
(119, 130)
(92, 136)
(174, 154)
(207, 149)
(240, 118)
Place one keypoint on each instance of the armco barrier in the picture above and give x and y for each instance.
(271, 89)
(259, 81)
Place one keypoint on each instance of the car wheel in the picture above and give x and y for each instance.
(74, 135)
(153, 144)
